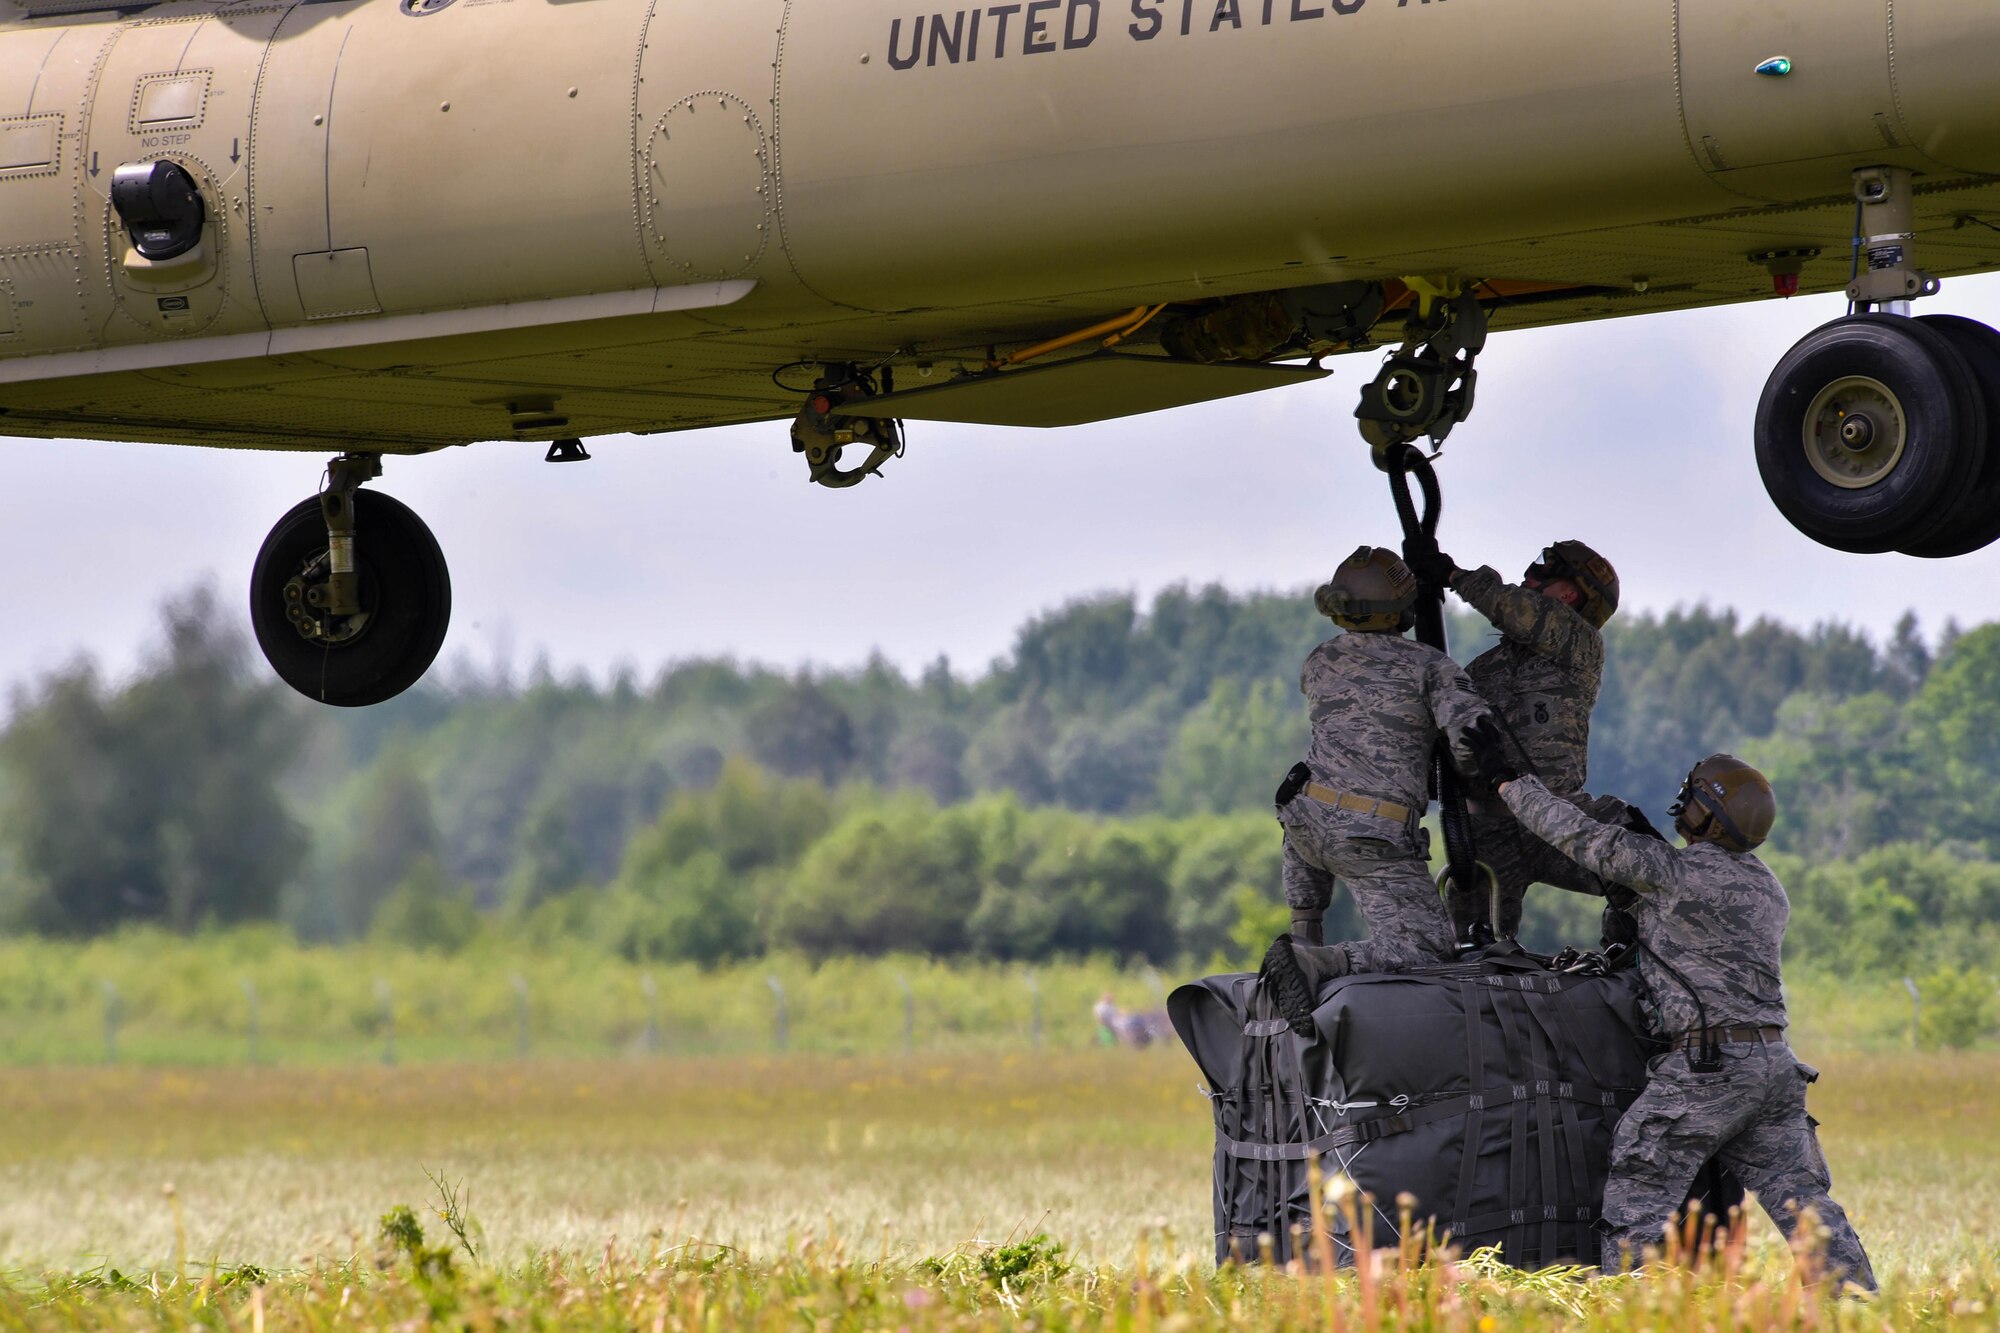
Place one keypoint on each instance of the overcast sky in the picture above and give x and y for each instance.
(1632, 434)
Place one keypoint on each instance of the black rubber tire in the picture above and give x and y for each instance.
(1971, 521)
(405, 585)
(1940, 402)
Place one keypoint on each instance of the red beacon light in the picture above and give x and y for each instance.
(1784, 267)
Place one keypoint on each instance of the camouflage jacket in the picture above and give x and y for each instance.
(1378, 703)
(1717, 917)
(1542, 676)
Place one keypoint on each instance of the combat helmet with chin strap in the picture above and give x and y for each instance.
(1727, 802)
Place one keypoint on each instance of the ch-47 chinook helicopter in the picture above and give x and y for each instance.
(374, 227)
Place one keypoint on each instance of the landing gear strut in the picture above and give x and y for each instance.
(350, 597)
(1875, 431)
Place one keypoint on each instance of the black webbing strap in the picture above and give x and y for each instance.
(1253, 1117)
(1272, 1175)
(1416, 1117)
(1272, 1098)
(1517, 1146)
(1308, 1235)
(1474, 1137)
(1541, 1058)
(1551, 1015)
(1579, 1173)
(1548, 1214)
(1304, 1114)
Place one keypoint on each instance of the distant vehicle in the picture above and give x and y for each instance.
(371, 227)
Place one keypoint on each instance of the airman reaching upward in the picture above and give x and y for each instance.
(1379, 703)
(1542, 679)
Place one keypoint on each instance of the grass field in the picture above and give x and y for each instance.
(153, 998)
(608, 1190)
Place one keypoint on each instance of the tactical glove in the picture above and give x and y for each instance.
(1636, 822)
(1489, 752)
(1433, 568)
(1618, 930)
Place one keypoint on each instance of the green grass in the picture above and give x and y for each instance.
(729, 1192)
(182, 1002)
(716, 1184)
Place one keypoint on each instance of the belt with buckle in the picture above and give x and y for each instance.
(1366, 805)
(1769, 1036)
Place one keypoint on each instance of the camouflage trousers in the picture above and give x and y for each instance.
(1518, 859)
(1752, 1116)
(1380, 865)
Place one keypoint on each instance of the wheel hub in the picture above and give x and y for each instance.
(1855, 432)
(306, 599)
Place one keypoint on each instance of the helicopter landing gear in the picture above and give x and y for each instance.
(1875, 431)
(350, 597)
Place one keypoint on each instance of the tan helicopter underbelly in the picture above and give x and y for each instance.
(430, 215)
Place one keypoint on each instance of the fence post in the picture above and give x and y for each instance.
(250, 1028)
(1035, 1010)
(1916, 1013)
(520, 1016)
(111, 1016)
(909, 1013)
(652, 994)
(387, 999)
(783, 1028)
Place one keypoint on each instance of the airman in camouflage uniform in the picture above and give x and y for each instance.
(1378, 703)
(1711, 924)
(1542, 678)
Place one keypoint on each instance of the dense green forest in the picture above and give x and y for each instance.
(1104, 788)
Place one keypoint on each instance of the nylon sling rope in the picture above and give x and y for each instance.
(1420, 539)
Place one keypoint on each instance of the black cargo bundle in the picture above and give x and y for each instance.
(1487, 1090)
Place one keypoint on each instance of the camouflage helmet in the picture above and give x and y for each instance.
(1589, 571)
(1726, 802)
(1373, 592)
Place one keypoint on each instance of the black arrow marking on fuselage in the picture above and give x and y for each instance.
(234, 155)
(93, 164)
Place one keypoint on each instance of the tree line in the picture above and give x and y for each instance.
(1104, 787)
